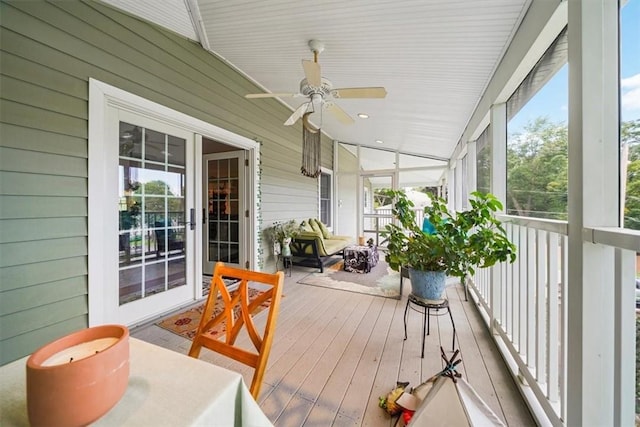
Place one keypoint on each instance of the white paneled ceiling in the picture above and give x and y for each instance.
(434, 57)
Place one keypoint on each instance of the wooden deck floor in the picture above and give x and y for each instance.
(336, 352)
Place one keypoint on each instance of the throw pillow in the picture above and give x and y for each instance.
(305, 226)
(314, 225)
(325, 231)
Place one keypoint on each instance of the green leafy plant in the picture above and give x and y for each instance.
(458, 243)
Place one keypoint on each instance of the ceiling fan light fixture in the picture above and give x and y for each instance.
(363, 115)
(316, 99)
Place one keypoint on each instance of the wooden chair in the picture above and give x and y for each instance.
(238, 315)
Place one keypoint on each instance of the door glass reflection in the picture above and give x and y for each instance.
(223, 210)
(152, 206)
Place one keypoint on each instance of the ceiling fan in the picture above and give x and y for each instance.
(321, 92)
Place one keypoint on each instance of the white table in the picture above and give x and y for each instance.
(165, 389)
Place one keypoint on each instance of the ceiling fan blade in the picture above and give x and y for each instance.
(312, 72)
(359, 92)
(338, 113)
(270, 95)
(297, 114)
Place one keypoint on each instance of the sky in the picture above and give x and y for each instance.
(552, 100)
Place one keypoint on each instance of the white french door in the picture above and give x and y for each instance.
(156, 216)
(145, 220)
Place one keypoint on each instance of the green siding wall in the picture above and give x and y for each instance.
(48, 52)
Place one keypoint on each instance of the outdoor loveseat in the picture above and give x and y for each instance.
(315, 245)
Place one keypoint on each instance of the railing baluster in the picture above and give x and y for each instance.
(552, 317)
(541, 317)
(563, 326)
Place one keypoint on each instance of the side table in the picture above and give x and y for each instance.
(360, 259)
(425, 307)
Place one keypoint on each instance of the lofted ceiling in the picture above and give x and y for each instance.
(434, 57)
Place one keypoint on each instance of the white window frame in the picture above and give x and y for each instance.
(329, 172)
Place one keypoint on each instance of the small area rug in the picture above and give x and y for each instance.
(186, 323)
(380, 281)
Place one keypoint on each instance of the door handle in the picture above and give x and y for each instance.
(192, 220)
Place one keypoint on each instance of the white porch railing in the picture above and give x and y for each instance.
(374, 223)
(525, 305)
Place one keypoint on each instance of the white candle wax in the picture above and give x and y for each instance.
(79, 351)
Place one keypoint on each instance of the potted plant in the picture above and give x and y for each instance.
(280, 235)
(447, 244)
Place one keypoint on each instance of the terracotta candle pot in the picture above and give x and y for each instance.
(76, 379)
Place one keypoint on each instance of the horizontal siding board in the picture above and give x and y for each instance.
(16, 207)
(26, 298)
(15, 183)
(45, 142)
(41, 97)
(34, 162)
(54, 59)
(43, 272)
(12, 254)
(39, 317)
(36, 73)
(38, 118)
(24, 230)
(21, 345)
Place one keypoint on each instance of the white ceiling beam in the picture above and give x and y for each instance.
(198, 23)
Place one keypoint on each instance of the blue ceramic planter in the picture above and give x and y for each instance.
(427, 284)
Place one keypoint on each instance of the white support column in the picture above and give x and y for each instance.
(593, 202)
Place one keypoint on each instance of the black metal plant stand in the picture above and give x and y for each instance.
(425, 307)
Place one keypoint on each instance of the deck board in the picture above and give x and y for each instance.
(336, 352)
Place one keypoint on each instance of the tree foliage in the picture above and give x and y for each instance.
(630, 136)
(537, 170)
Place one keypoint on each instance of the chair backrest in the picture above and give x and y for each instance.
(237, 313)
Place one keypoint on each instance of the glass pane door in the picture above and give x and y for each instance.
(224, 213)
(152, 212)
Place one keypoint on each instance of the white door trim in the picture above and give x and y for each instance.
(101, 96)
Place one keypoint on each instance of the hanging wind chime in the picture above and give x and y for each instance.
(310, 147)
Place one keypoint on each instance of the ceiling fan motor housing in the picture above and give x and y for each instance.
(323, 90)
